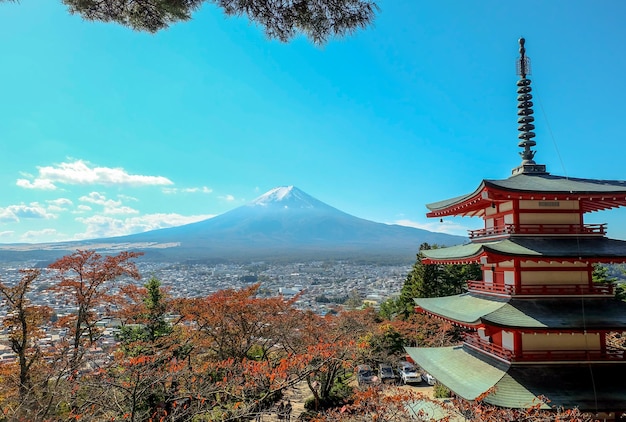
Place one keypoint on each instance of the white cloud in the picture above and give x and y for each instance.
(173, 191)
(127, 198)
(6, 216)
(13, 213)
(80, 172)
(120, 210)
(42, 184)
(205, 189)
(99, 226)
(60, 202)
(228, 198)
(94, 198)
(83, 208)
(7, 233)
(110, 206)
(59, 205)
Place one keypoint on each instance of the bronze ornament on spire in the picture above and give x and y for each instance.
(525, 113)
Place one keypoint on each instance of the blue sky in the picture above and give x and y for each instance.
(105, 131)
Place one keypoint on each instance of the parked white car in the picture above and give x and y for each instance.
(408, 373)
(428, 379)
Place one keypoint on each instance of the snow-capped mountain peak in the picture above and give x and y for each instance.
(287, 197)
(274, 195)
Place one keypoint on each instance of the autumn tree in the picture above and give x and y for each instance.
(24, 323)
(336, 345)
(84, 280)
(384, 344)
(143, 380)
(380, 405)
(238, 366)
(318, 20)
(248, 350)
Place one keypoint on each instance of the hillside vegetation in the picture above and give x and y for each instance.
(229, 356)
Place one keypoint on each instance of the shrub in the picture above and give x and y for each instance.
(440, 391)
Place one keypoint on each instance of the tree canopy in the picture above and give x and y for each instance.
(318, 20)
(431, 280)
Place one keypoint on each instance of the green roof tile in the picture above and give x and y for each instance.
(465, 308)
(469, 374)
(546, 313)
(558, 184)
(546, 183)
(458, 370)
(549, 247)
(565, 313)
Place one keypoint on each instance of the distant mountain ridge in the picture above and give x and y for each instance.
(285, 223)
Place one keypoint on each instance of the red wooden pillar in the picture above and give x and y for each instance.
(517, 345)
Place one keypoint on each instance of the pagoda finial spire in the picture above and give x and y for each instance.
(525, 113)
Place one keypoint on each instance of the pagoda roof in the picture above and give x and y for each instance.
(535, 314)
(548, 183)
(594, 194)
(470, 374)
(565, 313)
(598, 249)
(465, 308)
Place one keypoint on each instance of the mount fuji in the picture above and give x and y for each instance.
(285, 223)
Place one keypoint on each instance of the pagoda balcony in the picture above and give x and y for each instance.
(499, 352)
(539, 229)
(490, 288)
(475, 342)
(596, 289)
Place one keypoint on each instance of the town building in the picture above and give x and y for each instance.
(537, 323)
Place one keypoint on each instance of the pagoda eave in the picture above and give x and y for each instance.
(526, 249)
(468, 325)
(589, 202)
(472, 205)
(492, 258)
(607, 195)
(455, 261)
(473, 375)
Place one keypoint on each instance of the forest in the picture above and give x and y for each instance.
(229, 356)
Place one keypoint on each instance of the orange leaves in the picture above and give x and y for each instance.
(140, 360)
(83, 279)
(24, 327)
(234, 323)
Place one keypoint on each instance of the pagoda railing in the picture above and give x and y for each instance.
(482, 287)
(475, 342)
(543, 229)
(610, 354)
(541, 289)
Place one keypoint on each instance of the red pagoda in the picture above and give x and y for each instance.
(537, 323)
